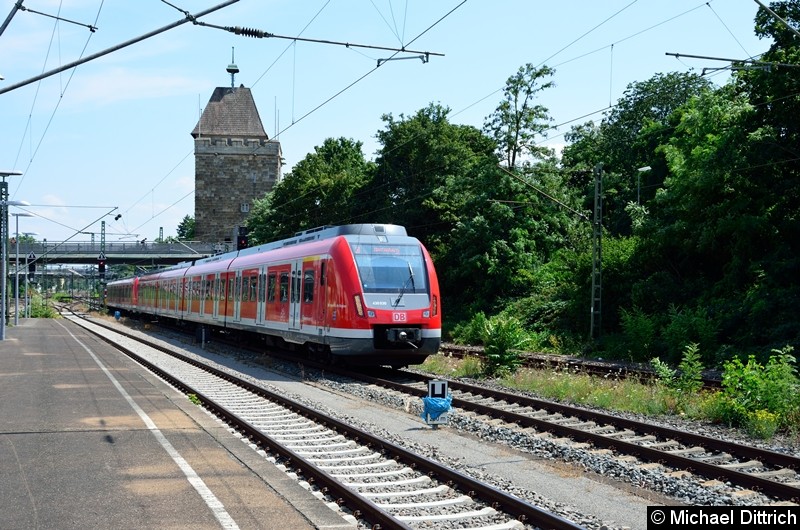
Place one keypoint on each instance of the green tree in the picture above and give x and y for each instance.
(628, 138)
(424, 174)
(511, 225)
(517, 122)
(185, 230)
(319, 191)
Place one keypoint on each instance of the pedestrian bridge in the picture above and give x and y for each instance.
(114, 253)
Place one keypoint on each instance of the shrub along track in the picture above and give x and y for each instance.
(771, 473)
(567, 363)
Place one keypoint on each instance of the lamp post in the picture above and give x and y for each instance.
(16, 261)
(639, 183)
(4, 203)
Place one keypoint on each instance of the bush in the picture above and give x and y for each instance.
(40, 309)
(470, 332)
(503, 338)
(761, 424)
(751, 389)
(686, 326)
(683, 383)
(639, 330)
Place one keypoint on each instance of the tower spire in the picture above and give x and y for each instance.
(232, 69)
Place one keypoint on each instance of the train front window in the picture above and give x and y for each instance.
(390, 268)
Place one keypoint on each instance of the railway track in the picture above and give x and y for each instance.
(770, 473)
(741, 470)
(380, 484)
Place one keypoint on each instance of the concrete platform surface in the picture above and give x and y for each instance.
(89, 439)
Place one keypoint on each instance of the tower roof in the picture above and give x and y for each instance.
(230, 112)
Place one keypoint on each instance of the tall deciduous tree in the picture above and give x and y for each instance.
(627, 139)
(424, 172)
(518, 121)
(319, 191)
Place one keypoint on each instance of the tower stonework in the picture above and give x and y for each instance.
(235, 163)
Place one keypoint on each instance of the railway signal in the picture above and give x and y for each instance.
(101, 266)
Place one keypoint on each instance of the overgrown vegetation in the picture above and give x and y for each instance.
(41, 308)
(700, 247)
(760, 399)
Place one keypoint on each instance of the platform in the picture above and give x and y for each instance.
(89, 439)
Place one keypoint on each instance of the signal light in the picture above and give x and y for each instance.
(101, 268)
(241, 242)
(31, 270)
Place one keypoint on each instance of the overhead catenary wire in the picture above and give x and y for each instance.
(73, 64)
(277, 127)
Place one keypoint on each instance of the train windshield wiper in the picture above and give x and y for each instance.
(403, 288)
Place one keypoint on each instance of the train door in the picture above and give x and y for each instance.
(313, 294)
(261, 302)
(295, 304)
(277, 307)
(249, 295)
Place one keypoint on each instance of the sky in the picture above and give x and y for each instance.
(111, 135)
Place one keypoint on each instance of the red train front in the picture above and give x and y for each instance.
(366, 293)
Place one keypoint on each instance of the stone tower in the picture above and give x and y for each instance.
(235, 163)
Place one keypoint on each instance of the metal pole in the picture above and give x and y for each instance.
(3, 250)
(16, 279)
(4, 237)
(27, 295)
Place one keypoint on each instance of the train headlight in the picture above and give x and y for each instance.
(426, 314)
(371, 313)
(359, 306)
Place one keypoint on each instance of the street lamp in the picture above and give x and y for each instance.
(27, 273)
(16, 276)
(639, 183)
(4, 204)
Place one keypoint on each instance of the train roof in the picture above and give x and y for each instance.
(326, 232)
(313, 234)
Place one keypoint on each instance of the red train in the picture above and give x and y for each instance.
(363, 293)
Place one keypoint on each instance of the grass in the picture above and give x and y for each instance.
(581, 389)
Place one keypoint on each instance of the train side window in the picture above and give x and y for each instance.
(322, 269)
(284, 287)
(262, 284)
(230, 288)
(271, 283)
(254, 287)
(245, 288)
(308, 286)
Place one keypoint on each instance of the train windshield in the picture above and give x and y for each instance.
(390, 268)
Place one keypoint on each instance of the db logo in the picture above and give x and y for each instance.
(399, 317)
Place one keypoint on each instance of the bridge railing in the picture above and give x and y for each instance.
(83, 248)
